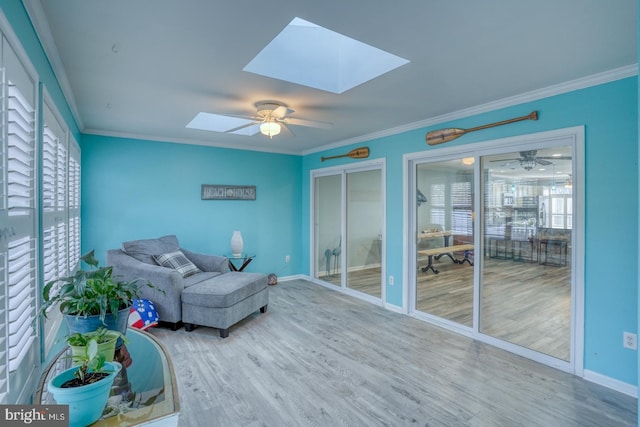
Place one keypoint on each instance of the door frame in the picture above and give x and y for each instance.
(573, 136)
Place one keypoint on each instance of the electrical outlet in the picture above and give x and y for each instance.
(390, 280)
(287, 258)
(630, 340)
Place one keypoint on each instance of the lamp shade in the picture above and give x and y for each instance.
(270, 128)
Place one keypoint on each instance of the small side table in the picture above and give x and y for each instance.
(245, 259)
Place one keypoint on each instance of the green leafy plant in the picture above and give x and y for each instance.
(101, 335)
(91, 292)
(90, 364)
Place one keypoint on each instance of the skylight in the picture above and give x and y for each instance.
(221, 123)
(313, 56)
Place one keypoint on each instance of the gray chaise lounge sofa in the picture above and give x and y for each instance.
(213, 296)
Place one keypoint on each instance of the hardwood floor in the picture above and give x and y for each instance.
(322, 358)
(527, 304)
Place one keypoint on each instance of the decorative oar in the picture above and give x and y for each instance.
(356, 153)
(436, 137)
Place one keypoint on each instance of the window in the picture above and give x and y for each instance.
(19, 242)
(74, 204)
(458, 217)
(54, 194)
(462, 212)
(561, 214)
(36, 164)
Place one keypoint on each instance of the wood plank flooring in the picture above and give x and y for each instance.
(524, 303)
(322, 358)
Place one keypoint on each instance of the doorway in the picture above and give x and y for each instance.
(348, 218)
(497, 253)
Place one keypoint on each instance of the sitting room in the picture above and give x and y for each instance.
(347, 214)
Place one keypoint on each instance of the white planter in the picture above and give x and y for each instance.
(236, 244)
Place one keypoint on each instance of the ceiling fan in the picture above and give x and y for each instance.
(271, 117)
(528, 159)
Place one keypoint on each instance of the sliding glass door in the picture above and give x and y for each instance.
(507, 275)
(526, 290)
(328, 228)
(364, 232)
(445, 240)
(348, 229)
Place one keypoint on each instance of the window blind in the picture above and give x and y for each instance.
(462, 208)
(21, 259)
(4, 362)
(20, 245)
(74, 204)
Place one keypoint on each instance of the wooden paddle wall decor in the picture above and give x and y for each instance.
(356, 153)
(436, 137)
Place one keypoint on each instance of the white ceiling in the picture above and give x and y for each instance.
(144, 68)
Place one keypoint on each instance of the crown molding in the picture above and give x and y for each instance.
(188, 141)
(570, 86)
(43, 31)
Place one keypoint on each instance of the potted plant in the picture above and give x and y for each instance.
(105, 338)
(85, 388)
(92, 298)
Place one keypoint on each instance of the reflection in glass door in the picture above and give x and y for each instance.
(526, 284)
(348, 218)
(445, 241)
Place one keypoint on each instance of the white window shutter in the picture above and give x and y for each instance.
(19, 244)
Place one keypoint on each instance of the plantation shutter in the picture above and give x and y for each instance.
(20, 350)
(74, 205)
(462, 208)
(55, 180)
(437, 198)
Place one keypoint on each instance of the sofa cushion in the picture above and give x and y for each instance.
(178, 262)
(197, 278)
(144, 250)
(224, 290)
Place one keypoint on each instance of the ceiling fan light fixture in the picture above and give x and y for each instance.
(568, 183)
(270, 128)
(527, 164)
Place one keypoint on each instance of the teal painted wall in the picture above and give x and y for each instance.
(135, 189)
(609, 113)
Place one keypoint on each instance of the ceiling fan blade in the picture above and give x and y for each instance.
(543, 162)
(556, 158)
(240, 116)
(287, 128)
(309, 123)
(281, 112)
(248, 129)
(503, 160)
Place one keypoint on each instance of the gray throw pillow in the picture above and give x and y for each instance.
(179, 262)
(144, 250)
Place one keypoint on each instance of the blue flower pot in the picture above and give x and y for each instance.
(86, 403)
(84, 324)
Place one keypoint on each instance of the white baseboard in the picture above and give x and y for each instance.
(617, 385)
(293, 277)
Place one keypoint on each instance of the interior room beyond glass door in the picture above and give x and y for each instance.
(526, 282)
(445, 240)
